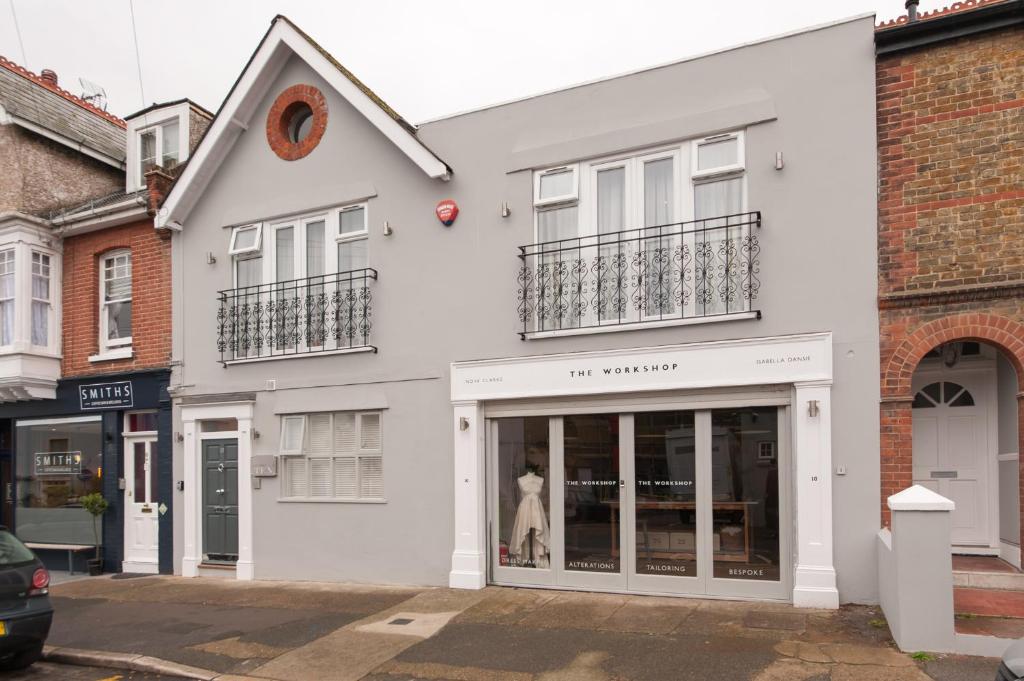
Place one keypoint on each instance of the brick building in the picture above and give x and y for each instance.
(85, 315)
(950, 109)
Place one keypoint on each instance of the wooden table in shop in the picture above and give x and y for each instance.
(736, 556)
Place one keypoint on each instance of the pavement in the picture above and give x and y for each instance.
(299, 631)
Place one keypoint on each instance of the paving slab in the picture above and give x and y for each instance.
(575, 611)
(649, 616)
(507, 605)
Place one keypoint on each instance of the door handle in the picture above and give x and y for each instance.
(220, 491)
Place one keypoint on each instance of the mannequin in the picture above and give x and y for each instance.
(530, 536)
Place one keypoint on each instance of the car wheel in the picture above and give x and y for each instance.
(21, 659)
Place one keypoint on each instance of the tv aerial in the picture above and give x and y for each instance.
(93, 93)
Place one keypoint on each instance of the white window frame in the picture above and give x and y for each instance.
(697, 176)
(349, 237)
(357, 456)
(158, 129)
(574, 195)
(13, 299)
(234, 249)
(686, 178)
(107, 344)
(49, 296)
(301, 420)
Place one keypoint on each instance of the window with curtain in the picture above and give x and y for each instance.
(40, 298)
(116, 299)
(332, 456)
(717, 194)
(659, 240)
(7, 303)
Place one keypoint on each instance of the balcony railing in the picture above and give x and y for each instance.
(326, 313)
(691, 270)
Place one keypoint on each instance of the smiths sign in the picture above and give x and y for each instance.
(106, 395)
(58, 463)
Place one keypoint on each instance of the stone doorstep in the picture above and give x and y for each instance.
(988, 602)
(1003, 581)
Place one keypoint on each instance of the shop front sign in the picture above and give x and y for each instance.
(58, 463)
(114, 395)
(756, 361)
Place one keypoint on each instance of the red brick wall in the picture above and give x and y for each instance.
(951, 214)
(151, 298)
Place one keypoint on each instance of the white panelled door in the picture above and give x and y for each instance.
(952, 449)
(141, 544)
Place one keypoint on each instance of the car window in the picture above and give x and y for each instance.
(12, 551)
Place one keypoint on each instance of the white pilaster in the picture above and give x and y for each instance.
(245, 568)
(469, 559)
(191, 558)
(814, 579)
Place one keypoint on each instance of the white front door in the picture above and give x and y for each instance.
(951, 449)
(141, 547)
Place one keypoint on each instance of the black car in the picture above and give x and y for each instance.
(25, 609)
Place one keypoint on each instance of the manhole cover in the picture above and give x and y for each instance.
(401, 620)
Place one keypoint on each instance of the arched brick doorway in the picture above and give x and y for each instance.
(897, 374)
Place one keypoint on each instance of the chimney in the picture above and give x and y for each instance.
(49, 76)
(158, 183)
(911, 6)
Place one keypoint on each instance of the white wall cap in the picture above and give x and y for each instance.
(919, 498)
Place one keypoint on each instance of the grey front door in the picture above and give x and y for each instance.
(220, 500)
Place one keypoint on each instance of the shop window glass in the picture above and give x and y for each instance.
(57, 463)
(524, 537)
(591, 503)
(745, 493)
(666, 494)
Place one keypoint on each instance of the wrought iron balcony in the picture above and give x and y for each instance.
(701, 269)
(327, 313)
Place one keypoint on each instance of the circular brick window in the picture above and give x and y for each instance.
(296, 122)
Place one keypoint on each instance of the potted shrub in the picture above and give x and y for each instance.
(96, 505)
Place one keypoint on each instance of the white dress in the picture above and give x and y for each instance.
(530, 516)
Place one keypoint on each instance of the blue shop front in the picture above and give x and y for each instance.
(108, 434)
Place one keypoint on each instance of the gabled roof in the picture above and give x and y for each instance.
(43, 107)
(281, 41)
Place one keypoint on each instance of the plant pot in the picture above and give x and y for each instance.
(95, 566)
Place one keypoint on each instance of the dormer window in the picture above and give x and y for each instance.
(159, 145)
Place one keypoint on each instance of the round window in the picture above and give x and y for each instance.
(300, 123)
(296, 122)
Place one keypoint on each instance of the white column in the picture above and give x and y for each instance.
(469, 559)
(814, 579)
(245, 568)
(191, 557)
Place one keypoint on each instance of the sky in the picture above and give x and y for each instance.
(426, 59)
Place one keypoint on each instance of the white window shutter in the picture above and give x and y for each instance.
(345, 477)
(369, 432)
(292, 430)
(320, 478)
(295, 477)
(371, 477)
(344, 433)
(319, 433)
